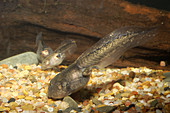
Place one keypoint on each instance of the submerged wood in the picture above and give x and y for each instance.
(85, 22)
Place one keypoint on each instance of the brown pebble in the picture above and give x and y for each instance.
(4, 66)
(85, 103)
(132, 74)
(134, 92)
(8, 84)
(127, 103)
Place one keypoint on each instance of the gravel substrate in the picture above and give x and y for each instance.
(23, 89)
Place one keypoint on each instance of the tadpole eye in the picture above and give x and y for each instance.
(58, 55)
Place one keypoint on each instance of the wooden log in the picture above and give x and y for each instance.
(86, 22)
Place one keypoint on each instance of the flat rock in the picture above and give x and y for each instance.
(167, 76)
(23, 58)
(106, 109)
(73, 104)
(153, 103)
(96, 101)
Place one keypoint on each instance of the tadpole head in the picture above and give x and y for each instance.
(57, 89)
(53, 60)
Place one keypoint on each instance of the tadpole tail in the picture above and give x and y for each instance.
(67, 46)
(107, 50)
(39, 41)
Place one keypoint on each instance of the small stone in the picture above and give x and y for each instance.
(70, 101)
(11, 100)
(4, 100)
(24, 92)
(158, 111)
(127, 103)
(50, 109)
(8, 84)
(33, 79)
(136, 80)
(96, 101)
(125, 94)
(166, 93)
(28, 98)
(4, 66)
(12, 105)
(118, 96)
(23, 58)
(27, 67)
(132, 98)
(118, 86)
(162, 63)
(106, 109)
(153, 103)
(168, 96)
(27, 107)
(116, 111)
(138, 109)
(63, 105)
(132, 74)
(85, 103)
(167, 76)
(123, 108)
(4, 109)
(167, 88)
(20, 96)
(134, 92)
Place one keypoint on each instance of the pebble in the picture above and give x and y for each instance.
(50, 109)
(153, 103)
(136, 80)
(28, 98)
(11, 100)
(4, 100)
(63, 105)
(96, 101)
(71, 102)
(158, 111)
(13, 105)
(24, 89)
(105, 108)
(125, 94)
(132, 74)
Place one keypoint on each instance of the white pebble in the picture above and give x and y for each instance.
(158, 111)
(157, 80)
(147, 89)
(108, 102)
(117, 84)
(43, 78)
(39, 85)
(162, 63)
(168, 96)
(42, 94)
(4, 100)
(148, 79)
(150, 94)
(131, 97)
(136, 80)
(57, 102)
(18, 101)
(160, 85)
(50, 109)
(124, 72)
(114, 91)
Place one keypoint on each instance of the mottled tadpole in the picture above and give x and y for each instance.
(105, 52)
(43, 51)
(67, 47)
